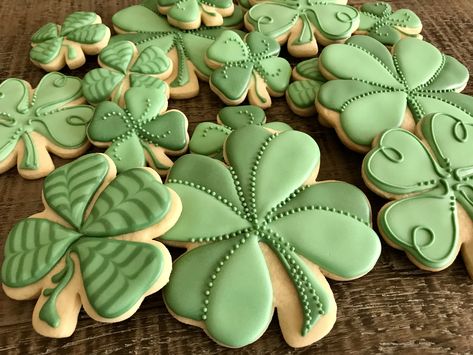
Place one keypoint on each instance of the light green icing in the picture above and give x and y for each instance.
(240, 60)
(374, 88)
(141, 123)
(115, 273)
(327, 20)
(47, 112)
(261, 197)
(120, 65)
(208, 137)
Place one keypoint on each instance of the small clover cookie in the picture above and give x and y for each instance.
(92, 246)
(303, 23)
(209, 137)
(54, 46)
(51, 118)
(375, 90)
(247, 67)
(261, 234)
(379, 21)
(141, 132)
(123, 67)
(430, 182)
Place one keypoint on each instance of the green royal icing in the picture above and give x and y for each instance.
(116, 273)
(261, 197)
(122, 67)
(380, 22)
(375, 88)
(437, 177)
(209, 137)
(78, 27)
(47, 112)
(142, 124)
(241, 61)
(330, 21)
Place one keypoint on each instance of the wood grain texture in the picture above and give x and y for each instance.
(395, 308)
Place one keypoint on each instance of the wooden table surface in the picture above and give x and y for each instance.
(395, 308)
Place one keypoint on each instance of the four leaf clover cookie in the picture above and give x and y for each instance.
(92, 245)
(261, 234)
(247, 67)
(123, 67)
(375, 90)
(55, 46)
(209, 137)
(303, 23)
(141, 132)
(50, 118)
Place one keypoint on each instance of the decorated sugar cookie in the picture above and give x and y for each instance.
(209, 137)
(261, 234)
(34, 123)
(375, 90)
(431, 183)
(142, 132)
(247, 67)
(244, 4)
(302, 92)
(123, 67)
(185, 48)
(92, 245)
(379, 21)
(55, 46)
(303, 23)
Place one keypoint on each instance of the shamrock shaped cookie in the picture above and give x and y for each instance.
(92, 245)
(123, 67)
(209, 137)
(247, 67)
(143, 131)
(185, 48)
(303, 23)
(260, 235)
(33, 123)
(431, 182)
(375, 90)
(54, 46)
(380, 22)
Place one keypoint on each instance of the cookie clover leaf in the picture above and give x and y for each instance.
(379, 21)
(247, 67)
(431, 183)
(376, 90)
(54, 46)
(209, 137)
(143, 131)
(124, 67)
(92, 245)
(185, 48)
(50, 118)
(260, 235)
(303, 23)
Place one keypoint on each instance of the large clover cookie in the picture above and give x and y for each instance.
(247, 67)
(92, 245)
(54, 46)
(431, 182)
(374, 90)
(185, 48)
(260, 235)
(50, 118)
(303, 23)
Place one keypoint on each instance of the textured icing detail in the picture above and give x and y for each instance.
(261, 197)
(302, 23)
(435, 178)
(142, 131)
(374, 88)
(208, 137)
